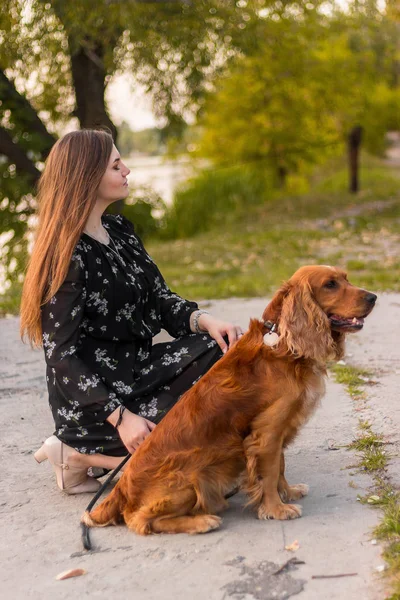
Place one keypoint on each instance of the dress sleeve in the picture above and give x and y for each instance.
(62, 319)
(175, 311)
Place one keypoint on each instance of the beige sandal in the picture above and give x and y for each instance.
(70, 479)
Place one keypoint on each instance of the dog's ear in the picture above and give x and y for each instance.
(303, 326)
(273, 310)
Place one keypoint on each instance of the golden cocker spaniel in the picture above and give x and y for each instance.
(240, 416)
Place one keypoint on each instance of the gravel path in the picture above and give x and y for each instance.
(41, 534)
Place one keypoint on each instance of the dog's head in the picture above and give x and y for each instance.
(315, 309)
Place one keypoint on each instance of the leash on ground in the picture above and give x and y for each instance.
(85, 529)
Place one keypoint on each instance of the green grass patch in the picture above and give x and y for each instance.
(371, 448)
(373, 459)
(352, 377)
(389, 532)
(390, 525)
(369, 441)
(215, 195)
(377, 275)
(256, 238)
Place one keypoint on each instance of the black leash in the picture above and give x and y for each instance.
(85, 529)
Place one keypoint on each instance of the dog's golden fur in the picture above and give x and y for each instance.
(240, 416)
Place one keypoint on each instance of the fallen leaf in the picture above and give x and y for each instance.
(293, 546)
(70, 573)
(373, 499)
(380, 568)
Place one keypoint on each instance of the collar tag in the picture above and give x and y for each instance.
(271, 339)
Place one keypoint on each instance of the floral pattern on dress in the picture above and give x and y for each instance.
(98, 334)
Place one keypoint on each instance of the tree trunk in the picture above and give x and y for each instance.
(88, 71)
(88, 75)
(354, 143)
(282, 174)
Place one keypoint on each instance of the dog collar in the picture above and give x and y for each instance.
(270, 326)
(271, 338)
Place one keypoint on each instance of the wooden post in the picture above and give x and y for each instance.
(354, 143)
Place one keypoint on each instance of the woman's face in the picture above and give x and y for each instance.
(114, 184)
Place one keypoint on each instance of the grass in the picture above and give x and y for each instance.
(250, 253)
(389, 532)
(251, 247)
(352, 377)
(371, 448)
(373, 459)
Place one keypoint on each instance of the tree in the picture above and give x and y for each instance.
(57, 58)
(295, 101)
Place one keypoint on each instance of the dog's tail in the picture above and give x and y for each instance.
(106, 513)
(109, 512)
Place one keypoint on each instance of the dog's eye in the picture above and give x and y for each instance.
(331, 284)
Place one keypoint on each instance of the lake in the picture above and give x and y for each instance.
(163, 175)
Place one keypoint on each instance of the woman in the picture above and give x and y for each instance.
(94, 300)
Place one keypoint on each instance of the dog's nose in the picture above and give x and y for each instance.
(370, 298)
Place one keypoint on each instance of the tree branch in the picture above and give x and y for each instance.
(28, 119)
(17, 155)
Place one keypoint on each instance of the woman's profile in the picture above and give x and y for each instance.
(94, 299)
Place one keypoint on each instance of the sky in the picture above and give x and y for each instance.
(128, 102)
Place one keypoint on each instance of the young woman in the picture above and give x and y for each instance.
(94, 299)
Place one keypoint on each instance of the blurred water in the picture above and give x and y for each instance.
(163, 175)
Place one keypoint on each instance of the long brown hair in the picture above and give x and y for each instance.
(67, 192)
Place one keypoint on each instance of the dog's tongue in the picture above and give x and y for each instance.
(351, 321)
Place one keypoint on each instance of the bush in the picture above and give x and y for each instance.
(216, 197)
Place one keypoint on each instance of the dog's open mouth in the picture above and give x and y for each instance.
(348, 324)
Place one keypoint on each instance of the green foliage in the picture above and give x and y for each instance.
(374, 460)
(293, 102)
(171, 48)
(216, 196)
(265, 108)
(250, 252)
(352, 378)
(290, 79)
(11, 299)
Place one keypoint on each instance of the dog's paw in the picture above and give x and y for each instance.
(212, 522)
(282, 512)
(204, 523)
(294, 492)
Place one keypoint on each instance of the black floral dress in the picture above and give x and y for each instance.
(97, 338)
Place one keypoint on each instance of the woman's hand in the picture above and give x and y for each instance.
(219, 329)
(133, 429)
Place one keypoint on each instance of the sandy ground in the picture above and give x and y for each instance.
(40, 526)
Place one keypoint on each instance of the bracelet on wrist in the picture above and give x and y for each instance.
(197, 314)
(121, 414)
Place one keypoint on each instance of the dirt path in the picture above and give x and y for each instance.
(41, 534)
(393, 151)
